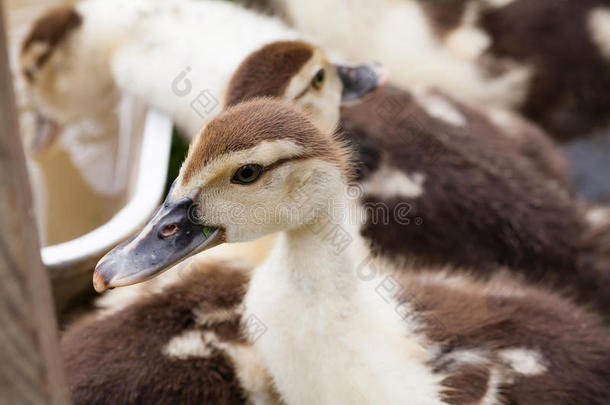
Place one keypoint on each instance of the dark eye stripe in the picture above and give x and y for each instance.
(43, 58)
(303, 92)
(280, 162)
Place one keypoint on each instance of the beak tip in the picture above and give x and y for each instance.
(361, 80)
(98, 282)
(383, 76)
(381, 72)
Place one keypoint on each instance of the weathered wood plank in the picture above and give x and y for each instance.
(30, 363)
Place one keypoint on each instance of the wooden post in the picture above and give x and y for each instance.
(30, 362)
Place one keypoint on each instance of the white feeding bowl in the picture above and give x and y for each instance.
(70, 263)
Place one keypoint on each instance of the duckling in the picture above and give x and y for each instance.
(478, 188)
(508, 53)
(340, 327)
(77, 59)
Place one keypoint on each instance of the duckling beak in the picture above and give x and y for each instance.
(360, 80)
(172, 234)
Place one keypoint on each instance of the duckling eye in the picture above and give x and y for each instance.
(247, 174)
(318, 79)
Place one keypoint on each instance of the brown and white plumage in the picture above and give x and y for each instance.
(172, 340)
(462, 340)
(549, 60)
(468, 374)
(121, 358)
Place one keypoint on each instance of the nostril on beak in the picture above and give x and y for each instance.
(169, 230)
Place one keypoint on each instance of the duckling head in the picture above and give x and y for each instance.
(259, 167)
(62, 64)
(299, 72)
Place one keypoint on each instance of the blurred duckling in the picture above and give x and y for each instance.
(77, 59)
(548, 60)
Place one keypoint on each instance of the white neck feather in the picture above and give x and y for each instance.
(330, 336)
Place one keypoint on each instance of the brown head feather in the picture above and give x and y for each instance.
(267, 72)
(248, 124)
(52, 28)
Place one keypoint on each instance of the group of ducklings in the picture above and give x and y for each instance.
(426, 251)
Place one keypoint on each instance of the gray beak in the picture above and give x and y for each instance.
(172, 234)
(360, 80)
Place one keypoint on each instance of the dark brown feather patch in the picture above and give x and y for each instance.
(52, 28)
(267, 72)
(119, 359)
